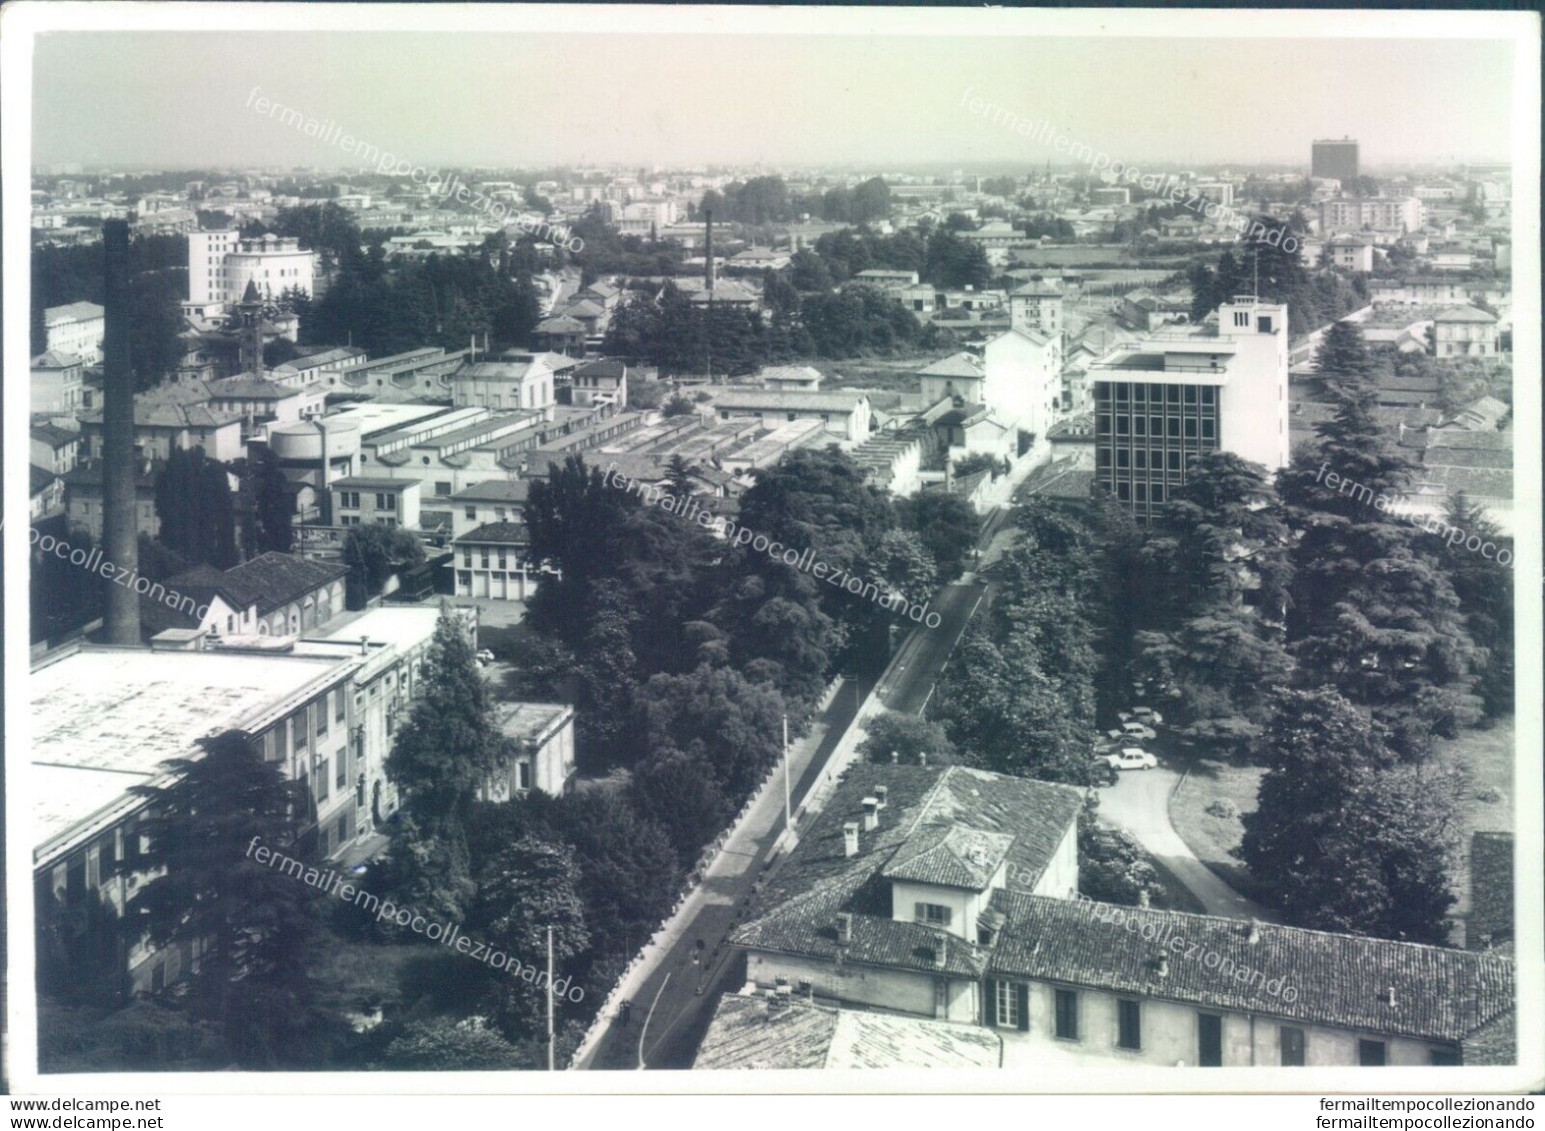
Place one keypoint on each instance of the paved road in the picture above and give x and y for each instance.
(1139, 803)
(922, 657)
(697, 974)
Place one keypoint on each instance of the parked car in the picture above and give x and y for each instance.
(1145, 715)
(1138, 730)
(1131, 758)
(485, 656)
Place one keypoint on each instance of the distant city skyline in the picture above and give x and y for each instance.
(183, 99)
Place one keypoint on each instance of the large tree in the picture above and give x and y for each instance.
(442, 755)
(194, 503)
(1373, 611)
(255, 927)
(375, 551)
(948, 527)
(268, 508)
(1343, 837)
(1218, 559)
(1484, 587)
(528, 887)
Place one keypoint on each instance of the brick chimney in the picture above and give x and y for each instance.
(871, 814)
(844, 928)
(850, 838)
(120, 529)
(881, 793)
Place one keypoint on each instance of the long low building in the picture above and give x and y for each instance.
(845, 415)
(952, 894)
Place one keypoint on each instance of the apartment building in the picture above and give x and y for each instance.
(57, 383)
(75, 328)
(221, 264)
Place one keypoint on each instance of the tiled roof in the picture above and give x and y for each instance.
(55, 359)
(268, 581)
(1465, 314)
(495, 491)
(610, 367)
(963, 364)
(1340, 980)
(753, 1032)
(778, 399)
(1489, 482)
(54, 436)
(1491, 890)
(40, 479)
(72, 312)
(1465, 438)
(797, 910)
(562, 325)
(508, 533)
(372, 483)
(950, 855)
(756, 1032)
(247, 387)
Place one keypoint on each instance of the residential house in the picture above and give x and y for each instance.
(1465, 331)
(173, 418)
(491, 561)
(604, 381)
(493, 500)
(54, 449)
(83, 498)
(57, 385)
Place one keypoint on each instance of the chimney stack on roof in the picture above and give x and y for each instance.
(844, 928)
(850, 838)
(922, 758)
(882, 793)
(871, 814)
(941, 952)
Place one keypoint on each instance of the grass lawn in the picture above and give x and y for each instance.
(1487, 756)
(1212, 837)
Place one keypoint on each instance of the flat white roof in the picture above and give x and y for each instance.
(103, 720)
(404, 626)
(372, 417)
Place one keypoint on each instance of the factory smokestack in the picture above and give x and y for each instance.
(708, 251)
(120, 532)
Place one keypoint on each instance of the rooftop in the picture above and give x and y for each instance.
(268, 581)
(497, 533)
(754, 1032)
(531, 722)
(1341, 980)
(72, 312)
(369, 483)
(105, 719)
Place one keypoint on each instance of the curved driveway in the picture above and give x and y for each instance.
(1139, 803)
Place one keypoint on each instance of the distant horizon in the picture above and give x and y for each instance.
(183, 100)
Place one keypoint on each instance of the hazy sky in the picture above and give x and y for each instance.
(181, 99)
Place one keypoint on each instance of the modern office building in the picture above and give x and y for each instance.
(1165, 401)
(1335, 159)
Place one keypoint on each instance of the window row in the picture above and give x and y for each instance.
(1118, 393)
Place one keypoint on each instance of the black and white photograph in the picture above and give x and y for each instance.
(913, 550)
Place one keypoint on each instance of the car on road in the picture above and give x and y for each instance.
(1138, 730)
(1130, 758)
(485, 656)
